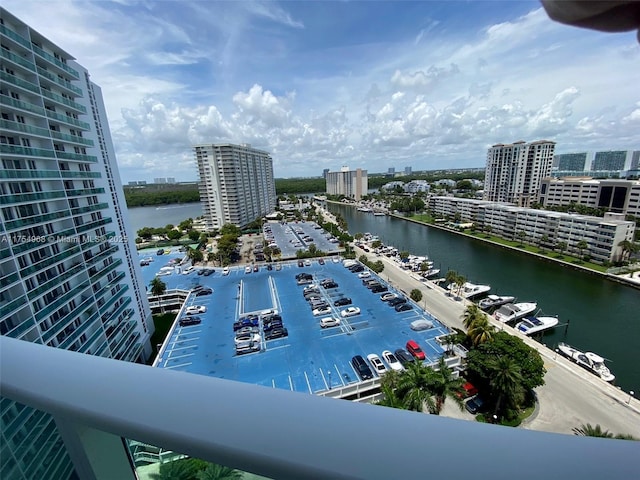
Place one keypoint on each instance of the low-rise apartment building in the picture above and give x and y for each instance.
(542, 227)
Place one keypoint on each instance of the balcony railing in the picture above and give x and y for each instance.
(277, 433)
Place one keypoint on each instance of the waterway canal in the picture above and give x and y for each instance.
(603, 316)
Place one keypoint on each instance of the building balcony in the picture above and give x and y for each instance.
(81, 192)
(29, 221)
(59, 64)
(18, 82)
(64, 101)
(26, 151)
(77, 157)
(59, 81)
(26, 173)
(27, 107)
(68, 120)
(71, 138)
(200, 419)
(17, 60)
(7, 32)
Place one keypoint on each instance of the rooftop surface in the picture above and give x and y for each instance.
(310, 359)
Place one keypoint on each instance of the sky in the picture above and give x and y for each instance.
(364, 84)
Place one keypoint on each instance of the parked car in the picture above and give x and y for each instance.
(247, 337)
(278, 267)
(356, 268)
(321, 261)
(201, 271)
(203, 292)
(275, 323)
(364, 274)
(342, 301)
(361, 367)
(277, 332)
(377, 364)
(378, 289)
(392, 361)
(225, 271)
(388, 296)
(256, 268)
(300, 263)
(247, 269)
(397, 301)
(160, 252)
(330, 285)
(188, 321)
(474, 404)
(350, 312)
(403, 356)
(414, 349)
(247, 347)
(403, 307)
(327, 322)
(209, 271)
(194, 309)
(468, 390)
(321, 311)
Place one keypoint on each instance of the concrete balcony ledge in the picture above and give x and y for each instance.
(283, 434)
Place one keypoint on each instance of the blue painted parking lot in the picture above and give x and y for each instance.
(310, 359)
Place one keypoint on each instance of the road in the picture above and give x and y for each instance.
(570, 397)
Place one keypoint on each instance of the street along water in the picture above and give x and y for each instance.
(603, 316)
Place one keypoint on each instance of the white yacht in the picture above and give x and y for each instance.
(514, 311)
(469, 290)
(493, 301)
(531, 325)
(588, 360)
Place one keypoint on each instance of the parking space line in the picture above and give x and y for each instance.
(339, 375)
(326, 385)
(182, 356)
(308, 383)
(177, 366)
(290, 383)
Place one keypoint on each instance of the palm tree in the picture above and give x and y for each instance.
(451, 277)
(481, 331)
(544, 240)
(627, 248)
(521, 235)
(460, 281)
(582, 245)
(471, 315)
(444, 385)
(589, 431)
(158, 287)
(218, 472)
(413, 387)
(391, 398)
(506, 383)
(183, 469)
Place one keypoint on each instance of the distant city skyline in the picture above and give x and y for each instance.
(368, 84)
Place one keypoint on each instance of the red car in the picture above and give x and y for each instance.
(469, 390)
(414, 349)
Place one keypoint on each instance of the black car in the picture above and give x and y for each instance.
(160, 252)
(269, 266)
(300, 263)
(379, 289)
(403, 356)
(360, 366)
(330, 285)
(204, 291)
(187, 321)
(403, 307)
(342, 301)
(356, 268)
(304, 276)
(277, 332)
(397, 301)
(201, 271)
(209, 271)
(273, 324)
(321, 261)
(474, 405)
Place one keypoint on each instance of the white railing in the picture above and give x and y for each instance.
(278, 433)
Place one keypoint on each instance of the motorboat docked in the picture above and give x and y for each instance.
(469, 290)
(531, 325)
(431, 273)
(365, 209)
(494, 301)
(514, 311)
(588, 360)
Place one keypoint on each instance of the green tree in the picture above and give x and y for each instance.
(193, 235)
(358, 236)
(413, 387)
(185, 224)
(376, 244)
(582, 245)
(174, 235)
(627, 249)
(145, 233)
(444, 384)
(503, 344)
(416, 295)
(404, 254)
(481, 331)
(562, 246)
(591, 431)
(230, 229)
(521, 236)
(390, 398)
(183, 469)
(158, 287)
(460, 281)
(451, 278)
(506, 385)
(218, 472)
(471, 315)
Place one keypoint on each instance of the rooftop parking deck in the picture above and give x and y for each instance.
(310, 359)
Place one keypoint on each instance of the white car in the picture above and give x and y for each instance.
(195, 309)
(188, 270)
(364, 274)
(247, 269)
(225, 271)
(392, 361)
(247, 338)
(327, 322)
(350, 312)
(321, 311)
(385, 297)
(377, 364)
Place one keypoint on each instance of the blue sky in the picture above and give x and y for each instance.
(367, 84)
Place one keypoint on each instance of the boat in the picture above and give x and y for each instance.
(431, 273)
(588, 360)
(364, 209)
(514, 311)
(469, 290)
(531, 325)
(379, 214)
(494, 301)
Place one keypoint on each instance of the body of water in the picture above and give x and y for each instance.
(161, 215)
(603, 316)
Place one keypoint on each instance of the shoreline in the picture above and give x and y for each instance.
(630, 282)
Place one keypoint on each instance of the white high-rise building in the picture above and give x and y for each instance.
(514, 172)
(68, 270)
(350, 183)
(236, 184)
